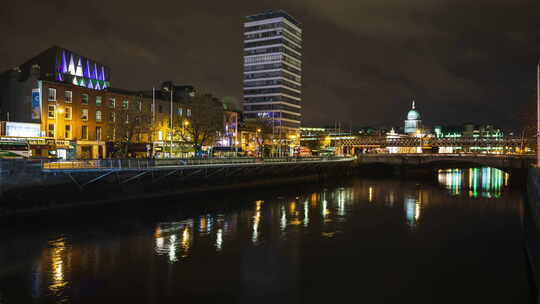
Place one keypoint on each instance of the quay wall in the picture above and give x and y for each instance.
(25, 187)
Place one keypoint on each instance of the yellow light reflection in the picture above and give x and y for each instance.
(186, 242)
(370, 194)
(314, 200)
(256, 221)
(59, 256)
(292, 207)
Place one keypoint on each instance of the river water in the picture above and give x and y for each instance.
(456, 239)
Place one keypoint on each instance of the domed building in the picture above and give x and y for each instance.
(413, 123)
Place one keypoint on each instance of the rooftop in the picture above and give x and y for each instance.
(273, 14)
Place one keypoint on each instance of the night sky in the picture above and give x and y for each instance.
(364, 60)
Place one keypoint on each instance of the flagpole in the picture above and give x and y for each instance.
(538, 114)
(171, 133)
(153, 105)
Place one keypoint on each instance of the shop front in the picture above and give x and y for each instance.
(88, 149)
(162, 149)
(65, 149)
(42, 147)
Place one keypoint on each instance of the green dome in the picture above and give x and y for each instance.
(413, 115)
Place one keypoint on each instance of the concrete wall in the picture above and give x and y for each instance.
(531, 226)
(496, 161)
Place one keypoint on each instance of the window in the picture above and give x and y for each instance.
(98, 133)
(98, 116)
(160, 109)
(67, 134)
(50, 130)
(127, 118)
(140, 106)
(98, 101)
(112, 116)
(112, 103)
(84, 114)
(68, 114)
(188, 112)
(68, 96)
(52, 94)
(125, 104)
(84, 99)
(84, 132)
(137, 120)
(180, 111)
(160, 135)
(52, 111)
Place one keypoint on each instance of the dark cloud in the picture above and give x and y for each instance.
(364, 60)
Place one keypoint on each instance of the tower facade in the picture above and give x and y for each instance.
(273, 70)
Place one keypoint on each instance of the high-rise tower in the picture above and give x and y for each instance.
(273, 69)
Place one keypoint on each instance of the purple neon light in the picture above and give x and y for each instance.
(102, 73)
(64, 67)
(87, 70)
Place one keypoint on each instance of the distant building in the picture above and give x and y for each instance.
(413, 123)
(468, 130)
(273, 70)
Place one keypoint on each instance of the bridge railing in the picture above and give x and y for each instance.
(172, 162)
(456, 155)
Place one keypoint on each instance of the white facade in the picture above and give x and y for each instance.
(413, 123)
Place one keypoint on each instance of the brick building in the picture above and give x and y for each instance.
(71, 97)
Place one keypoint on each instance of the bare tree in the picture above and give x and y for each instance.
(262, 128)
(201, 126)
(127, 127)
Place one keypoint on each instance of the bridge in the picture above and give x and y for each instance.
(383, 141)
(501, 161)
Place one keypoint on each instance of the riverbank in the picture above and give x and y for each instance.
(234, 186)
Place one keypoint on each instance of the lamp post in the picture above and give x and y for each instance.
(538, 114)
(185, 124)
(258, 144)
(171, 124)
(59, 111)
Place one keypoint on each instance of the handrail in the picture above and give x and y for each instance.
(173, 162)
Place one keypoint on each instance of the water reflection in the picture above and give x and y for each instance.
(413, 205)
(352, 213)
(474, 182)
(59, 262)
(174, 239)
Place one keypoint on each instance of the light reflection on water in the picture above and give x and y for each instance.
(474, 182)
(321, 216)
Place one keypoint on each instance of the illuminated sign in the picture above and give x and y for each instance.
(21, 129)
(36, 104)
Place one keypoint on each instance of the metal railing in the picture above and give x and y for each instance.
(439, 155)
(174, 162)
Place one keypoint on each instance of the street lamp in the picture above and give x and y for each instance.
(259, 146)
(58, 111)
(184, 126)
